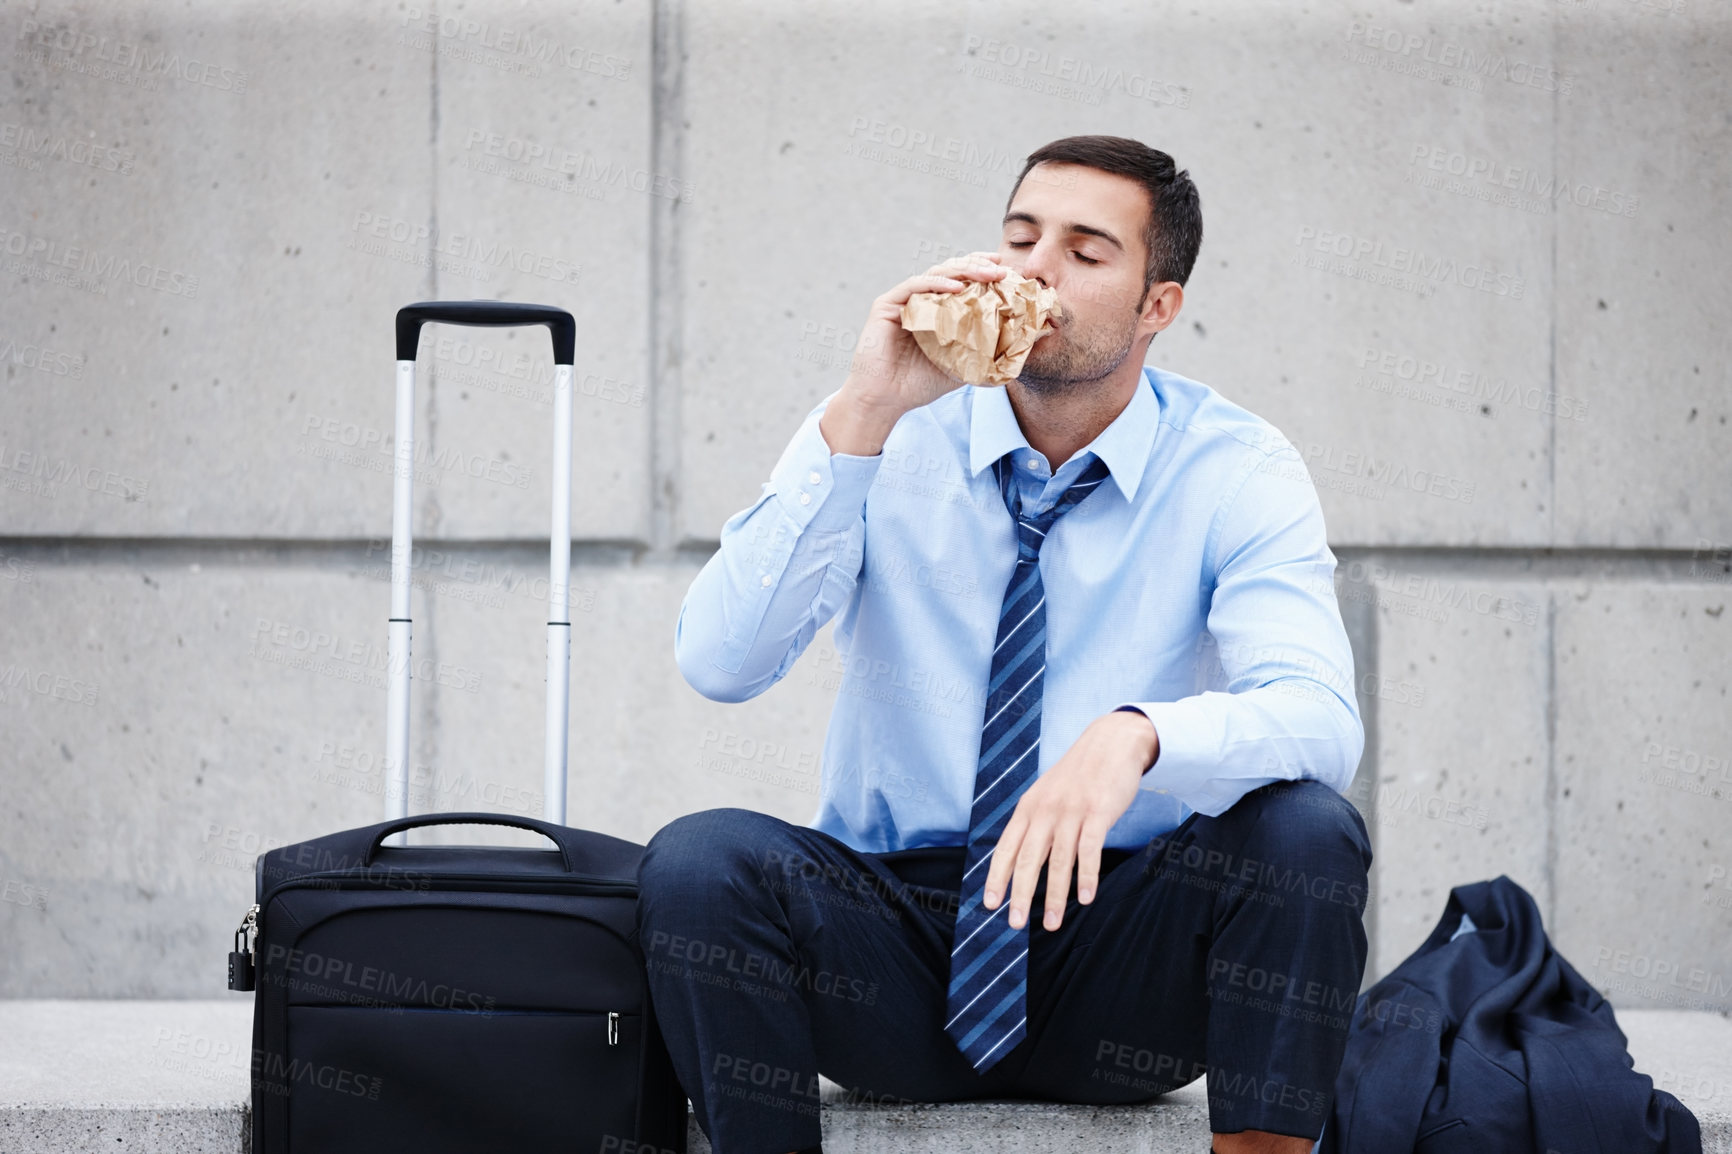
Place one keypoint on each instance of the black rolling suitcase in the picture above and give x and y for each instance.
(457, 998)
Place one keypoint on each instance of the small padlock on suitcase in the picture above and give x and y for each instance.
(457, 998)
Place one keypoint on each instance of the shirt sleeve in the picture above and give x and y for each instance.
(785, 565)
(1289, 710)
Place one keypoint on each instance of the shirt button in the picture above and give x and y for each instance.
(1034, 462)
(805, 497)
(814, 477)
(766, 580)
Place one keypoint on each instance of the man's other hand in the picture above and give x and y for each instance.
(1066, 813)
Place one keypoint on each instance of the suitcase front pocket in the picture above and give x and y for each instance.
(437, 1081)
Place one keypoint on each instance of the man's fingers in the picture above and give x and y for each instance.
(926, 283)
(971, 258)
(949, 276)
(979, 265)
(1028, 861)
(930, 282)
(1088, 860)
(1058, 874)
(1003, 858)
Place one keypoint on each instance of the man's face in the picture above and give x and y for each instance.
(1079, 231)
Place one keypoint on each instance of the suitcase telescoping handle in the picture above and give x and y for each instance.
(492, 314)
(564, 332)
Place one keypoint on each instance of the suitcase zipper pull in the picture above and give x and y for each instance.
(241, 958)
(612, 1028)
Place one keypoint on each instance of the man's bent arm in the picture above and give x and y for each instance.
(785, 565)
(1289, 710)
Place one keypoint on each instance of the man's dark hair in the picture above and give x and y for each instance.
(1175, 229)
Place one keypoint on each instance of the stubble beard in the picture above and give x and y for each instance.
(1067, 361)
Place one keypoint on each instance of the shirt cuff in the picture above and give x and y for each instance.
(1134, 709)
(819, 489)
(1180, 768)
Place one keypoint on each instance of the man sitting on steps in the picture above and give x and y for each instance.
(1109, 557)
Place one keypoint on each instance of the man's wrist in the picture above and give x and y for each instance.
(857, 428)
(1155, 753)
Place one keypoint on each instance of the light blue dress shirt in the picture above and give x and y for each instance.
(1196, 586)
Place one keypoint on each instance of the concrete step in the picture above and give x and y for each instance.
(1176, 1123)
(124, 1076)
(171, 1078)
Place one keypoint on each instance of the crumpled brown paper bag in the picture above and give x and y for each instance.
(983, 332)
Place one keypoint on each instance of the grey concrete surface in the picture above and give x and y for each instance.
(1644, 674)
(296, 198)
(1349, 127)
(172, 1077)
(718, 190)
(1175, 1124)
(126, 1076)
(561, 171)
(1638, 332)
(1462, 769)
(246, 191)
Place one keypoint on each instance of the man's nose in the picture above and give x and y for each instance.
(1038, 263)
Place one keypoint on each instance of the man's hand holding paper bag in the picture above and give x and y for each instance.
(892, 373)
(982, 334)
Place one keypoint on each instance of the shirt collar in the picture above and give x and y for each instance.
(1124, 445)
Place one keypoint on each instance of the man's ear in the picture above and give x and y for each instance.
(1161, 305)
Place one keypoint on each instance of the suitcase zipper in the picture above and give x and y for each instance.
(241, 960)
(577, 882)
(584, 884)
(241, 972)
(249, 924)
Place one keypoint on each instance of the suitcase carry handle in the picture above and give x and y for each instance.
(563, 329)
(553, 833)
(492, 314)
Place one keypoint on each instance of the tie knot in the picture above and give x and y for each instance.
(1031, 529)
(1029, 536)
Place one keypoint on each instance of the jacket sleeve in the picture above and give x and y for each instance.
(784, 567)
(1391, 1064)
(1289, 710)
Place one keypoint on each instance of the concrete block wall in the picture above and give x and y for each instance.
(1468, 259)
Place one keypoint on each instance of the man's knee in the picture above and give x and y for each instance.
(1307, 826)
(700, 874)
(700, 848)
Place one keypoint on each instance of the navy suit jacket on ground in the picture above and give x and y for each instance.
(1486, 1041)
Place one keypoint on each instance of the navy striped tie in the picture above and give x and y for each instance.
(988, 1003)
